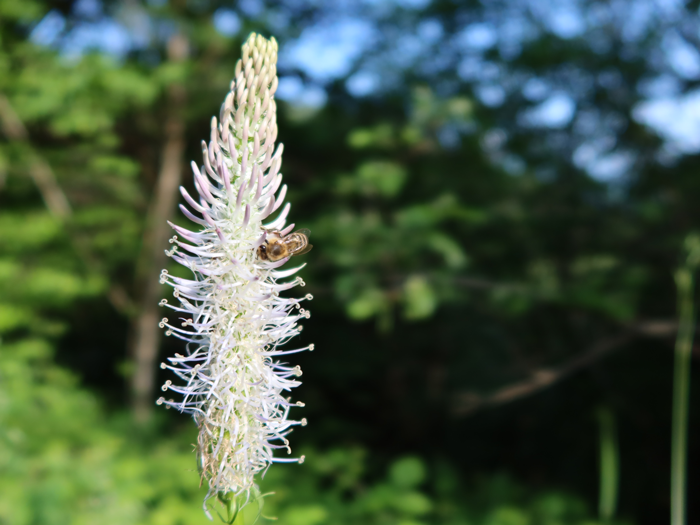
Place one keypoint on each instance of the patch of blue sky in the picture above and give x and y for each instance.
(469, 68)
(675, 119)
(477, 37)
(592, 149)
(535, 89)
(513, 32)
(363, 83)
(637, 22)
(664, 85)
(293, 90)
(681, 56)
(601, 161)
(114, 37)
(491, 95)
(406, 4)
(251, 8)
(408, 49)
(328, 51)
(564, 19)
(670, 9)
(517, 28)
(474, 67)
(554, 112)
(430, 31)
(413, 4)
(226, 21)
(612, 167)
(105, 35)
(277, 20)
(48, 29)
(88, 8)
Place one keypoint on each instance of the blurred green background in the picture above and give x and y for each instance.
(498, 194)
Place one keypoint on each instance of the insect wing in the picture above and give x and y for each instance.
(305, 233)
(304, 250)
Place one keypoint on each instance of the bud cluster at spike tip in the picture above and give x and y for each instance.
(231, 313)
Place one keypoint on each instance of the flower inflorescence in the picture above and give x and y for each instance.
(231, 312)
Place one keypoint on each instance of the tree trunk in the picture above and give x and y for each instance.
(152, 258)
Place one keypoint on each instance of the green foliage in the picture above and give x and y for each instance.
(333, 489)
(419, 298)
(62, 460)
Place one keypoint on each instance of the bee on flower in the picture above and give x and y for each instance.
(232, 314)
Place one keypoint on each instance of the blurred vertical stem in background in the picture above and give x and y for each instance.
(681, 378)
(609, 465)
(152, 257)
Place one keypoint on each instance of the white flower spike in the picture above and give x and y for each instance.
(231, 313)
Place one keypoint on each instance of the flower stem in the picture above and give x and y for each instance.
(681, 380)
(609, 465)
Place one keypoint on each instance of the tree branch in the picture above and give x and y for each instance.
(467, 403)
(39, 170)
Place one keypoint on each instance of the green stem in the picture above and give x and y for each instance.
(609, 465)
(681, 389)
